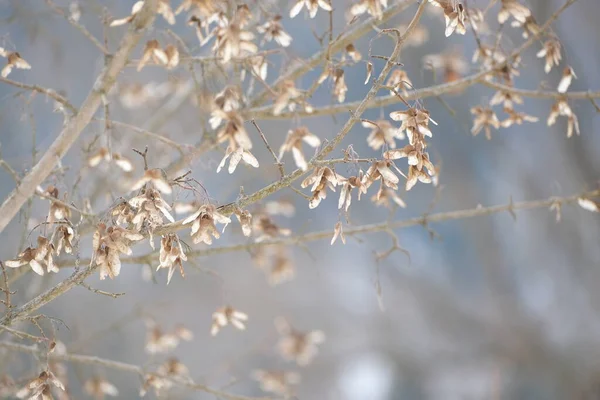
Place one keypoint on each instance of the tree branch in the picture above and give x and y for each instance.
(295, 72)
(369, 228)
(120, 366)
(81, 119)
(80, 275)
(78, 26)
(265, 113)
(337, 45)
(48, 92)
(355, 117)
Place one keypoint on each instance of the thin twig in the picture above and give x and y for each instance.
(121, 366)
(266, 113)
(78, 26)
(264, 139)
(336, 45)
(48, 92)
(423, 220)
(21, 334)
(144, 155)
(102, 292)
(6, 289)
(145, 132)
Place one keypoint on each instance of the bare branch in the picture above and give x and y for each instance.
(371, 228)
(78, 26)
(265, 113)
(121, 366)
(264, 139)
(79, 121)
(48, 92)
(338, 44)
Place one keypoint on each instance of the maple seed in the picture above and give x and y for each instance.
(273, 30)
(399, 80)
(171, 255)
(372, 7)
(454, 15)
(567, 78)
(158, 341)
(311, 5)
(228, 315)
(485, 119)
(321, 179)
(383, 133)
(13, 60)
(588, 204)
(551, 52)
(293, 143)
(203, 223)
(297, 346)
(277, 382)
(152, 51)
(36, 257)
(338, 232)
(157, 178)
(98, 388)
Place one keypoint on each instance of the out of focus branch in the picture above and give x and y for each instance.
(48, 92)
(81, 119)
(423, 220)
(77, 26)
(149, 134)
(121, 366)
(265, 113)
(543, 94)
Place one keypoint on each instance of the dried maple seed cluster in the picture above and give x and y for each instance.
(237, 33)
(383, 134)
(415, 126)
(108, 244)
(277, 382)
(504, 67)
(300, 347)
(103, 154)
(225, 316)
(36, 257)
(167, 57)
(312, 6)
(398, 80)
(171, 255)
(321, 179)
(293, 143)
(225, 112)
(160, 342)
(203, 223)
(13, 60)
(40, 387)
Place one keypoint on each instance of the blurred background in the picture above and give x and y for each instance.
(484, 308)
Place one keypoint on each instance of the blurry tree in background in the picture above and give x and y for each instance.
(210, 199)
